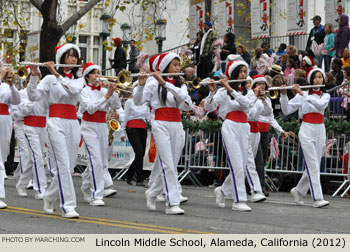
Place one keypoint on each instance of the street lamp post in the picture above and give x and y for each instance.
(161, 29)
(104, 34)
(126, 29)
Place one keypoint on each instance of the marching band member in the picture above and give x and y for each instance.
(8, 95)
(258, 107)
(312, 135)
(165, 97)
(35, 134)
(134, 125)
(234, 107)
(95, 102)
(61, 89)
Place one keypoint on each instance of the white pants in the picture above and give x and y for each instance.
(64, 137)
(312, 140)
(250, 169)
(24, 168)
(95, 137)
(169, 138)
(235, 138)
(36, 138)
(5, 134)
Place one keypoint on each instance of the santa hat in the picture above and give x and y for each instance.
(153, 62)
(88, 67)
(165, 59)
(309, 60)
(259, 78)
(231, 66)
(316, 69)
(60, 50)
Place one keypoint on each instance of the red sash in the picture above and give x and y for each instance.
(65, 111)
(140, 124)
(254, 127)
(237, 116)
(168, 114)
(35, 121)
(315, 118)
(4, 109)
(98, 116)
(264, 127)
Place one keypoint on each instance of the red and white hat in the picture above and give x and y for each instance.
(88, 67)
(60, 50)
(153, 62)
(231, 66)
(316, 69)
(258, 78)
(309, 60)
(165, 59)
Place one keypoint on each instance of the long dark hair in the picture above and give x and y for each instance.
(162, 91)
(323, 89)
(235, 85)
(62, 61)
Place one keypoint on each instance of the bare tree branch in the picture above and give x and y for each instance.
(76, 16)
(37, 4)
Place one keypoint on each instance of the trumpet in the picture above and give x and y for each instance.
(197, 82)
(43, 64)
(21, 72)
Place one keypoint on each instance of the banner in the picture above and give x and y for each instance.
(333, 9)
(225, 17)
(122, 154)
(197, 17)
(260, 19)
(296, 14)
(33, 46)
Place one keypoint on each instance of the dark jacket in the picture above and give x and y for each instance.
(246, 57)
(316, 34)
(231, 48)
(134, 52)
(339, 76)
(342, 38)
(119, 61)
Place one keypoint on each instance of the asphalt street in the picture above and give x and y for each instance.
(126, 213)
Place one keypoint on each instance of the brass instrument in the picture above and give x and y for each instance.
(21, 72)
(275, 90)
(113, 125)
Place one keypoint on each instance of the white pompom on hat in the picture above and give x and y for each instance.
(60, 50)
(231, 66)
(309, 60)
(88, 67)
(165, 59)
(315, 70)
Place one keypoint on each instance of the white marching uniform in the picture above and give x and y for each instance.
(8, 95)
(168, 134)
(235, 135)
(94, 131)
(257, 108)
(63, 133)
(35, 114)
(312, 136)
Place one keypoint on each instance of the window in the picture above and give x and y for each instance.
(83, 57)
(96, 56)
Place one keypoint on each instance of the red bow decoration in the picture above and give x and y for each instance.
(69, 75)
(94, 87)
(240, 89)
(316, 92)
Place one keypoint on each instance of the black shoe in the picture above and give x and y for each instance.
(128, 181)
(266, 194)
(140, 184)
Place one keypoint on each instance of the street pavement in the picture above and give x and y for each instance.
(126, 213)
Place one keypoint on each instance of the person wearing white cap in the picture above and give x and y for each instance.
(35, 135)
(8, 95)
(312, 134)
(165, 97)
(62, 90)
(234, 108)
(95, 102)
